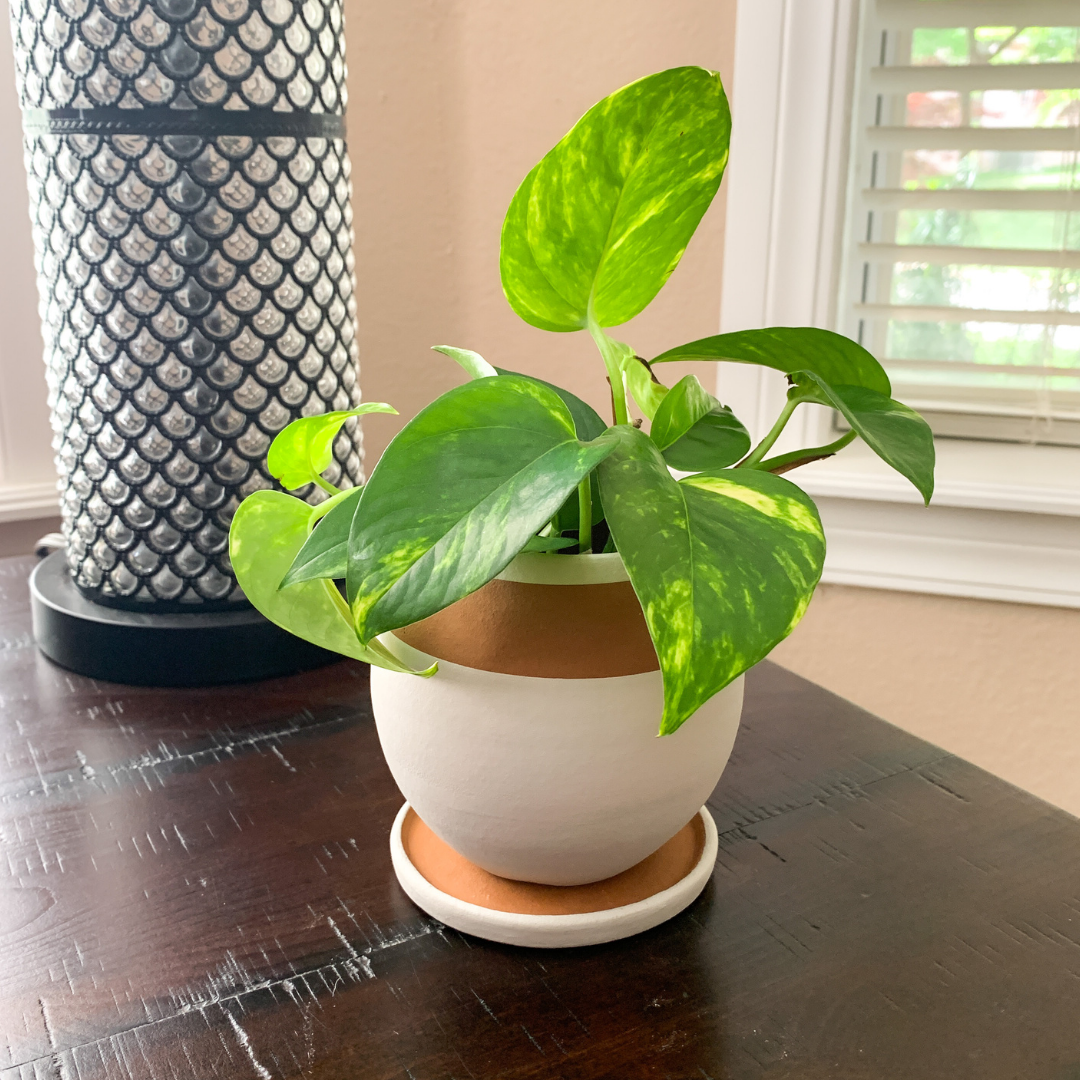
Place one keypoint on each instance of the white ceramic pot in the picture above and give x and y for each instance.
(554, 780)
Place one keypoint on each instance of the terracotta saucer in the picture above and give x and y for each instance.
(460, 894)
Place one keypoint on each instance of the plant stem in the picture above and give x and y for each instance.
(766, 444)
(609, 350)
(584, 497)
(324, 508)
(327, 486)
(783, 462)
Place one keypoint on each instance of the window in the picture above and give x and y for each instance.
(1004, 523)
(962, 250)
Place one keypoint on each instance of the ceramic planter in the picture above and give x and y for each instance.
(533, 752)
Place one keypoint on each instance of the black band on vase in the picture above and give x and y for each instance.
(205, 122)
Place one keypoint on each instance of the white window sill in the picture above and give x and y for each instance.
(975, 475)
(1004, 523)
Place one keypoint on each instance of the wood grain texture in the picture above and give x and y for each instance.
(198, 884)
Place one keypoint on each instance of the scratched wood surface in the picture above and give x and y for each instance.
(197, 884)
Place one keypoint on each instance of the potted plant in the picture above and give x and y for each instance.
(539, 592)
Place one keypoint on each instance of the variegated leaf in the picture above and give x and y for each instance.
(267, 531)
(587, 420)
(724, 564)
(896, 433)
(326, 550)
(457, 494)
(603, 220)
(694, 431)
(301, 452)
(837, 359)
(473, 363)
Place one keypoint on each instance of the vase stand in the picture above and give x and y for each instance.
(201, 648)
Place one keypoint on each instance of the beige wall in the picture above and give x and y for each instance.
(452, 102)
(996, 683)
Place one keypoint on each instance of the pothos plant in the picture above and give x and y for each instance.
(723, 559)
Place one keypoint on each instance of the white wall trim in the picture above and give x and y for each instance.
(955, 551)
(26, 502)
(26, 456)
(1005, 520)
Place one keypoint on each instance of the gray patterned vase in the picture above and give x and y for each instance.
(189, 190)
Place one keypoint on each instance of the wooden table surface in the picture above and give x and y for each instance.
(197, 883)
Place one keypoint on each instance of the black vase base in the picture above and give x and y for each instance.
(142, 648)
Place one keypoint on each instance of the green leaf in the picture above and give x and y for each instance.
(268, 530)
(685, 404)
(724, 564)
(550, 543)
(530, 293)
(718, 439)
(695, 431)
(603, 220)
(837, 359)
(476, 366)
(457, 494)
(325, 552)
(589, 426)
(302, 451)
(587, 420)
(896, 433)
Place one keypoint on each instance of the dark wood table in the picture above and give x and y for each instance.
(197, 883)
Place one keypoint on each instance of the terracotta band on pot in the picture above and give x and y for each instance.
(583, 622)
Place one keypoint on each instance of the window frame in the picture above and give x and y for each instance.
(1005, 519)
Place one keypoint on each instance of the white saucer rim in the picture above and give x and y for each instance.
(553, 931)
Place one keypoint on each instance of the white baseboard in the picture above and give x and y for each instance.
(26, 502)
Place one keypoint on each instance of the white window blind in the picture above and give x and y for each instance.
(962, 262)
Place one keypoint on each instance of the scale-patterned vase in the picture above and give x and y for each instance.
(189, 190)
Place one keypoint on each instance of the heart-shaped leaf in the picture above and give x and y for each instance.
(837, 359)
(694, 431)
(457, 494)
(718, 439)
(326, 550)
(301, 452)
(268, 530)
(599, 225)
(724, 564)
(476, 366)
(685, 404)
(896, 433)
